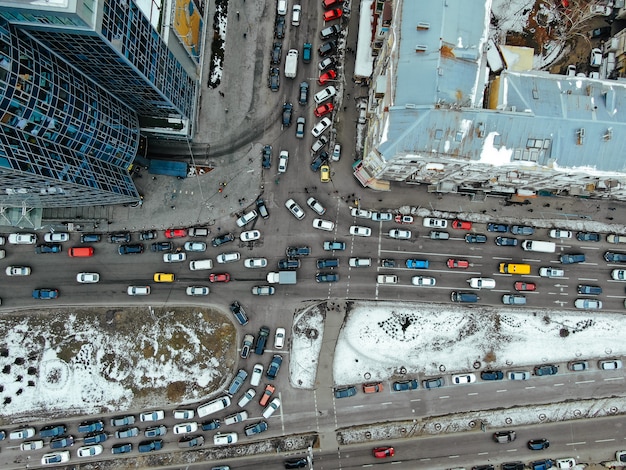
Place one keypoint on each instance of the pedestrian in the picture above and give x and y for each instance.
(245, 35)
(237, 14)
(219, 229)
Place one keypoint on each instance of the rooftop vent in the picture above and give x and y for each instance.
(580, 134)
(422, 26)
(421, 48)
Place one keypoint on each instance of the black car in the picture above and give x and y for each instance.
(149, 446)
(538, 444)
(547, 369)
(135, 249)
(405, 385)
(277, 50)
(319, 161)
(513, 466)
(257, 428)
(239, 312)
(287, 113)
(95, 438)
(296, 463)
(389, 263)
(148, 235)
(48, 248)
(327, 48)
(273, 80)
(492, 375)
(304, 93)
(588, 237)
(267, 156)
(62, 442)
(121, 448)
(506, 241)
(261, 341)
(288, 264)
(161, 246)
(279, 27)
(211, 425)
(119, 237)
(227, 237)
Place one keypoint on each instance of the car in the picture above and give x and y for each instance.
(588, 237)
(560, 233)
(281, 7)
(22, 238)
(325, 63)
(331, 3)
(423, 281)
(56, 237)
(134, 249)
(148, 416)
(522, 230)
(173, 233)
(288, 264)
(565, 463)
(326, 277)
(334, 246)
(49, 248)
(121, 448)
(303, 97)
(383, 452)
(459, 379)
(127, 433)
(475, 238)
(300, 123)
(492, 375)
(155, 431)
(433, 383)
(504, 437)
(95, 438)
(53, 430)
(518, 375)
(387, 279)
(276, 53)
(403, 219)
(324, 109)
(254, 263)
(250, 235)
(263, 290)
(618, 274)
(307, 52)
(611, 364)
(330, 32)
(91, 426)
(547, 369)
(246, 218)
(122, 421)
(327, 76)
(45, 294)
(603, 10)
(461, 224)
(620, 455)
(219, 277)
(296, 251)
(345, 392)
(148, 235)
(174, 257)
(324, 173)
(22, 433)
(464, 297)
(322, 224)
(246, 397)
(150, 446)
(89, 451)
(184, 414)
(336, 155)
(497, 228)
(589, 304)
(453, 263)
(333, 14)
(138, 290)
(260, 205)
(399, 234)
(274, 367)
(511, 299)
(164, 277)
(283, 160)
(228, 257)
(538, 444)
(62, 442)
(321, 126)
(300, 462)
(405, 385)
(257, 428)
(319, 160)
(438, 235)
(551, 272)
(295, 209)
(482, 282)
(279, 27)
(190, 441)
(324, 95)
(612, 257)
(327, 48)
(360, 262)
(435, 223)
(267, 392)
(18, 271)
(613, 238)
(595, 58)
(525, 286)
(578, 366)
(261, 341)
(55, 457)
(197, 247)
(413, 263)
(373, 387)
(223, 439)
(211, 425)
(315, 205)
(287, 114)
(266, 155)
(185, 428)
(360, 231)
(196, 291)
(506, 241)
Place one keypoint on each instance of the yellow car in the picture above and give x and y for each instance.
(163, 277)
(325, 173)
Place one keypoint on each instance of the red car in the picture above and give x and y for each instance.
(324, 109)
(457, 263)
(383, 452)
(404, 219)
(461, 224)
(219, 277)
(175, 233)
(331, 3)
(373, 387)
(522, 286)
(267, 393)
(330, 75)
(333, 14)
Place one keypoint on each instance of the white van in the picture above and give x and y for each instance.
(536, 245)
(213, 406)
(200, 264)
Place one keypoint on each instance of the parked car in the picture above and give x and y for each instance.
(121, 448)
(155, 431)
(282, 161)
(506, 241)
(383, 452)
(45, 294)
(161, 246)
(56, 237)
(497, 228)
(121, 237)
(588, 236)
(399, 234)
(287, 114)
(589, 304)
(239, 313)
(345, 392)
(257, 428)
(464, 297)
(504, 437)
(266, 155)
(522, 230)
(48, 248)
(295, 209)
(274, 367)
(518, 375)
(461, 224)
(405, 385)
(610, 364)
(321, 126)
(150, 446)
(492, 375)
(327, 48)
(122, 421)
(547, 369)
(560, 233)
(475, 238)
(276, 53)
(433, 383)
(333, 246)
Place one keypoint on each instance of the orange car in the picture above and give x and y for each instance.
(267, 393)
(373, 387)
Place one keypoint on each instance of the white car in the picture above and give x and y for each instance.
(22, 238)
(197, 290)
(423, 281)
(482, 282)
(565, 463)
(228, 257)
(321, 126)
(250, 235)
(619, 274)
(459, 379)
(257, 373)
(255, 262)
(319, 143)
(246, 398)
(31, 445)
(295, 15)
(611, 364)
(174, 257)
(551, 272)
(589, 304)
(138, 290)
(185, 428)
(55, 457)
(400, 234)
(246, 218)
(360, 231)
(184, 414)
(56, 237)
(324, 225)
(361, 213)
(271, 408)
(236, 418)
(156, 415)
(225, 438)
(22, 433)
(263, 290)
(435, 223)
(382, 216)
(282, 162)
(279, 338)
(281, 7)
(325, 94)
(18, 271)
(195, 246)
(360, 262)
(89, 451)
(295, 209)
(315, 205)
(87, 278)
(336, 155)
(559, 233)
(387, 279)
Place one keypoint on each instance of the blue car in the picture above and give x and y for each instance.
(149, 446)
(541, 464)
(417, 263)
(95, 438)
(274, 367)
(497, 228)
(90, 426)
(538, 444)
(345, 392)
(326, 277)
(239, 312)
(492, 375)
(45, 294)
(53, 430)
(135, 249)
(257, 428)
(48, 248)
(475, 238)
(434, 383)
(405, 385)
(122, 448)
(237, 382)
(588, 237)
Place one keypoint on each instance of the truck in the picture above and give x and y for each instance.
(291, 63)
(169, 168)
(282, 277)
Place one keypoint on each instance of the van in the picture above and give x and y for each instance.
(590, 290)
(90, 238)
(200, 264)
(536, 245)
(80, 252)
(213, 406)
(435, 235)
(514, 268)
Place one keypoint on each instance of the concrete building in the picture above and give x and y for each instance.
(437, 116)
